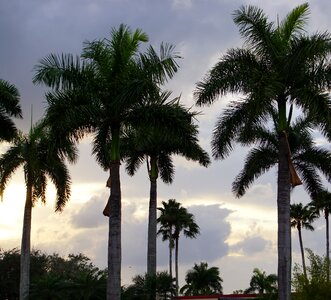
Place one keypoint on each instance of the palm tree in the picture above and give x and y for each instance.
(39, 161)
(161, 129)
(322, 203)
(301, 218)
(174, 220)
(202, 280)
(95, 93)
(280, 68)
(262, 283)
(9, 107)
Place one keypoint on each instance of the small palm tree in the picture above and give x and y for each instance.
(174, 220)
(301, 218)
(39, 161)
(322, 203)
(202, 280)
(262, 283)
(9, 107)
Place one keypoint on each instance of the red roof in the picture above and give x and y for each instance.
(221, 297)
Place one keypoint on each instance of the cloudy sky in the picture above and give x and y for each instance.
(237, 235)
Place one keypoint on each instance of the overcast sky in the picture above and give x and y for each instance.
(237, 235)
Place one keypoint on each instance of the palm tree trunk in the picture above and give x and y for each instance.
(170, 251)
(176, 264)
(26, 246)
(327, 246)
(302, 253)
(284, 228)
(114, 239)
(152, 227)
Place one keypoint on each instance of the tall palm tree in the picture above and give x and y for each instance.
(9, 107)
(281, 67)
(95, 93)
(162, 129)
(301, 218)
(174, 220)
(202, 280)
(322, 203)
(262, 283)
(39, 161)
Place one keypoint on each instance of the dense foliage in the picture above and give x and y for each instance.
(316, 287)
(52, 277)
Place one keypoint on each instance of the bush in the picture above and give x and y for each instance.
(316, 286)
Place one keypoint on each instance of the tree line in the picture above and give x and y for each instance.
(113, 91)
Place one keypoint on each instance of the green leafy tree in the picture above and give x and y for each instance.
(39, 161)
(262, 283)
(95, 93)
(174, 220)
(281, 68)
(302, 216)
(161, 129)
(316, 286)
(9, 107)
(202, 280)
(149, 286)
(322, 203)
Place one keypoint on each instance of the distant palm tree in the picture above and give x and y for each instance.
(95, 93)
(174, 220)
(279, 68)
(202, 280)
(162, 129)
(322, 203)
(9, 107)
(39, 161)
(301, 218)
(262, 283)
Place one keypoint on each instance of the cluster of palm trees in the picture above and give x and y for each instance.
(113, 91)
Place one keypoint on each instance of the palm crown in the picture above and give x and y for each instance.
(9, 107)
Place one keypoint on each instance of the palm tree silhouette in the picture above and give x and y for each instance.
(281, 67)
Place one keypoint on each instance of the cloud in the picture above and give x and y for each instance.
(250, 246)
(89, 215)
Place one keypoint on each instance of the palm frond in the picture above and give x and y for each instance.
(295, 22)
(258, 161)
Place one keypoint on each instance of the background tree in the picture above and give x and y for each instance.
(174, 220)
(281, 67)
(147, 287)
(302, 216)
(161, 129)
(262, 283)
(322, 203)
(94, 93)
(39, 161)
(202, 280)
(9, 107)
(317, 286)
(52, 276)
